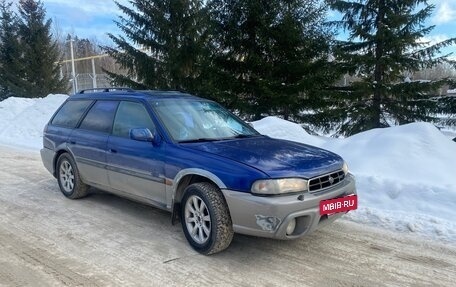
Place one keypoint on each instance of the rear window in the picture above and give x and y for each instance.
(68, 116)
(100, 117)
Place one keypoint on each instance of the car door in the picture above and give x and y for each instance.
(135, 167)
(88, 142)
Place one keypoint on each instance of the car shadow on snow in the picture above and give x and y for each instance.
(246, 248)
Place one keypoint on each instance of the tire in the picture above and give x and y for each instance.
(68, 177)
(208, 230)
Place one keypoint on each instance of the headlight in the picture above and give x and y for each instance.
(345, 168)
(279, 186)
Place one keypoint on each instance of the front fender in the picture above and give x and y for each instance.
(172, 190)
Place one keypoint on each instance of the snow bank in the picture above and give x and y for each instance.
(279, 128)
(413, 153)
(406, 175)
(22, 120)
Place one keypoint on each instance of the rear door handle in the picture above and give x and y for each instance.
(112, 150)
(72, 142)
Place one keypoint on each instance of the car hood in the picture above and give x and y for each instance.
(277, 158)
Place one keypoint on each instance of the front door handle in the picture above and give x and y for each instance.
(112, 150)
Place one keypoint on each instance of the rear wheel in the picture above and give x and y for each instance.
(205, 218)
(70, 182)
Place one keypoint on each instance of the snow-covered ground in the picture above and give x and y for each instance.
(406, 175)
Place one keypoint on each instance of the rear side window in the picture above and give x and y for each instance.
(100, 117)
(70, 113)
(131, 115)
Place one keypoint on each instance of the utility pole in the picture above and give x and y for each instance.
(73, 70)
(94, 74)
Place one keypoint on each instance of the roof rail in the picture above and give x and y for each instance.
(105, 90)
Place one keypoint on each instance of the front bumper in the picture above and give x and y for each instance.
(269, 216)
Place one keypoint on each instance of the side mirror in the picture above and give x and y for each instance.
(141, 134)
(144, 135)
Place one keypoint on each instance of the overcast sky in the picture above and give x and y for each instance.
(94, 18)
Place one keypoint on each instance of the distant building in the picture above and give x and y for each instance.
(451, 92)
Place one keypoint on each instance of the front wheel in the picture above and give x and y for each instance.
(205, 218)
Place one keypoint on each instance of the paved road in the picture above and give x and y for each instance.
(103, 240)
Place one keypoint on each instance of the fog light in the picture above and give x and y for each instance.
(291, 226)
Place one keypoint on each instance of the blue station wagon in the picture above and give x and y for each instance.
(190, 156)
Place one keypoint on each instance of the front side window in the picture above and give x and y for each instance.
(131, 115)
(68, 116)
(190, 120)
(100, 117)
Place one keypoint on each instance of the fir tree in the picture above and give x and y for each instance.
(11, 70)
(40, 51)
(385, 41)
(270, 56)
(162, 46)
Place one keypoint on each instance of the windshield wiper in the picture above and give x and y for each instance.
(239, 136)
(199, 140)
(243, 136)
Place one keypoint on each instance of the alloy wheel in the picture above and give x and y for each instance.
(197, 219)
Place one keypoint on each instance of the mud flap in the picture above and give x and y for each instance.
(175, 218)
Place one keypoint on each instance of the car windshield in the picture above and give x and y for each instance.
(189, 120)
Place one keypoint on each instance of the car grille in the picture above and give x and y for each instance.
(326, 181)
